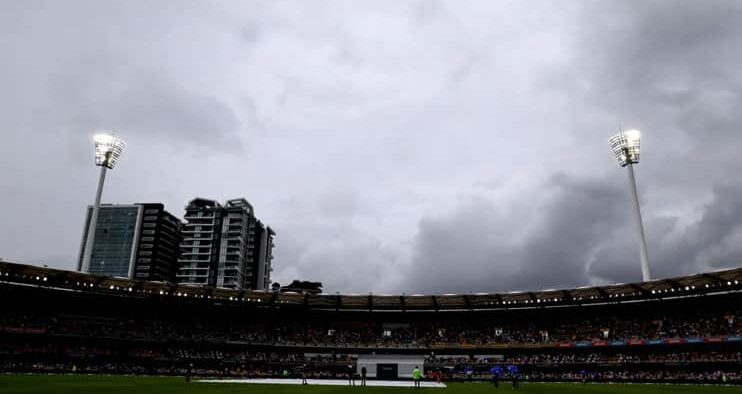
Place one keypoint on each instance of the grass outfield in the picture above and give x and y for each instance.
(145, 385)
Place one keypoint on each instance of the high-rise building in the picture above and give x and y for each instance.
(264, 265)
(135, 241)
(200, 243)
(225, 246)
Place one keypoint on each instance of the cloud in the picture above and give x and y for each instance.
(145, 104)
(350, 262)
(579, 232)
(710, 242)
(671, 70)
(480, 246)
(84, 66)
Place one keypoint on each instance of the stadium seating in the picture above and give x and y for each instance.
(54, 324)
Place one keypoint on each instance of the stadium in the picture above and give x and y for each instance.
(441, 183)
(683, 330)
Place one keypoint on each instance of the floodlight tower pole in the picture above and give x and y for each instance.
(626, 147)
(108, 149)
(640, 225)
(92, 223)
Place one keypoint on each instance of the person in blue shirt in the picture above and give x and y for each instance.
(496, 371)
(469, 371)
(514, 372)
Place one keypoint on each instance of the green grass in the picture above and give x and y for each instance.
(30, 384)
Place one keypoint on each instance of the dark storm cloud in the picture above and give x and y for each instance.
(672, 69)
(481, 247)
(583, 233)
(711, 241)
(714, 240)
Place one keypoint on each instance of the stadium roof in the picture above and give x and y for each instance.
(685, 286)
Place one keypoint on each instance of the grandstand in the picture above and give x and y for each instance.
(683, 330)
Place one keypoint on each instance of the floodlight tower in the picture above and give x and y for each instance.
(108, 150)
(626, 146)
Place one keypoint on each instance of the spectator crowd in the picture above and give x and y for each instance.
(63, 334)
(318, 333)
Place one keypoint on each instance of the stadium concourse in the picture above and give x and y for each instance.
(679, 330)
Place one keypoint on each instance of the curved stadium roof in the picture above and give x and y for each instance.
(692, 285)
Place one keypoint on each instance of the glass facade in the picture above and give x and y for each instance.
(115, 235)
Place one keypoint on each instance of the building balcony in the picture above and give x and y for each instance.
(208, 233)
(188, 239)
(192, 216)
(193, 240)
(194, 261)
(191, 275)
(191, 265)
(183, 277)
(199, 248)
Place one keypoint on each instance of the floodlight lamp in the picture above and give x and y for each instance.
(626, 146)
(108, 150)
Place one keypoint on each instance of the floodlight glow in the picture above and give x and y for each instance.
(626, 145)
(108, 150)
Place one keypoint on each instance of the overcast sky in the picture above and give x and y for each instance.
(395, 146)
